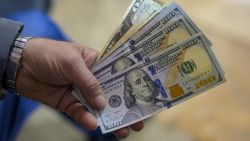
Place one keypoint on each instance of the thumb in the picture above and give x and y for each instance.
(86, 82)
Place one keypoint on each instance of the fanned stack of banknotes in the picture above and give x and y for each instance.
(155, 60)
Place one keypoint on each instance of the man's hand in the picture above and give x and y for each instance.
(50, 69)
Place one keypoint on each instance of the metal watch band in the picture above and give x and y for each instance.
(13, 63)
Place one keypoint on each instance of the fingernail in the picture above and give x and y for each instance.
(99, 102)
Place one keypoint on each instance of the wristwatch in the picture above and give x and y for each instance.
(13, 64)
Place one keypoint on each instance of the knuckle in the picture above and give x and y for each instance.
(71, 59)
(93, 84)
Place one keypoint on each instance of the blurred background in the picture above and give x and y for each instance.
(221, 114)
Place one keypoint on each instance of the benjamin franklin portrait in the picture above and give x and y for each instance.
(140, 95)
(121, 64)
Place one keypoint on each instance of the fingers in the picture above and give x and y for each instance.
(71, 106)
(137, 126)
(87, 83)
(81, 115)
(122, 133)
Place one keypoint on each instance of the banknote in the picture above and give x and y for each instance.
(138, 12)
(175, 31)
(167, 13)
(145, 89)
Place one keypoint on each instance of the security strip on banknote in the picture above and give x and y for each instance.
(175, 31)
(168, 78)
(138, 12)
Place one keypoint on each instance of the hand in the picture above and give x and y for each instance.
(48, 71)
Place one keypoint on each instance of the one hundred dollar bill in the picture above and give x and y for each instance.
(167, 13)
(168, 78)
(175, 31)
(138, 12)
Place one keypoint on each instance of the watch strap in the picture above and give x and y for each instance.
(13, 64)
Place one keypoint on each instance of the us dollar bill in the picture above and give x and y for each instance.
(167, 79)
(175, 31)
(167, 13)
(138, 12)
